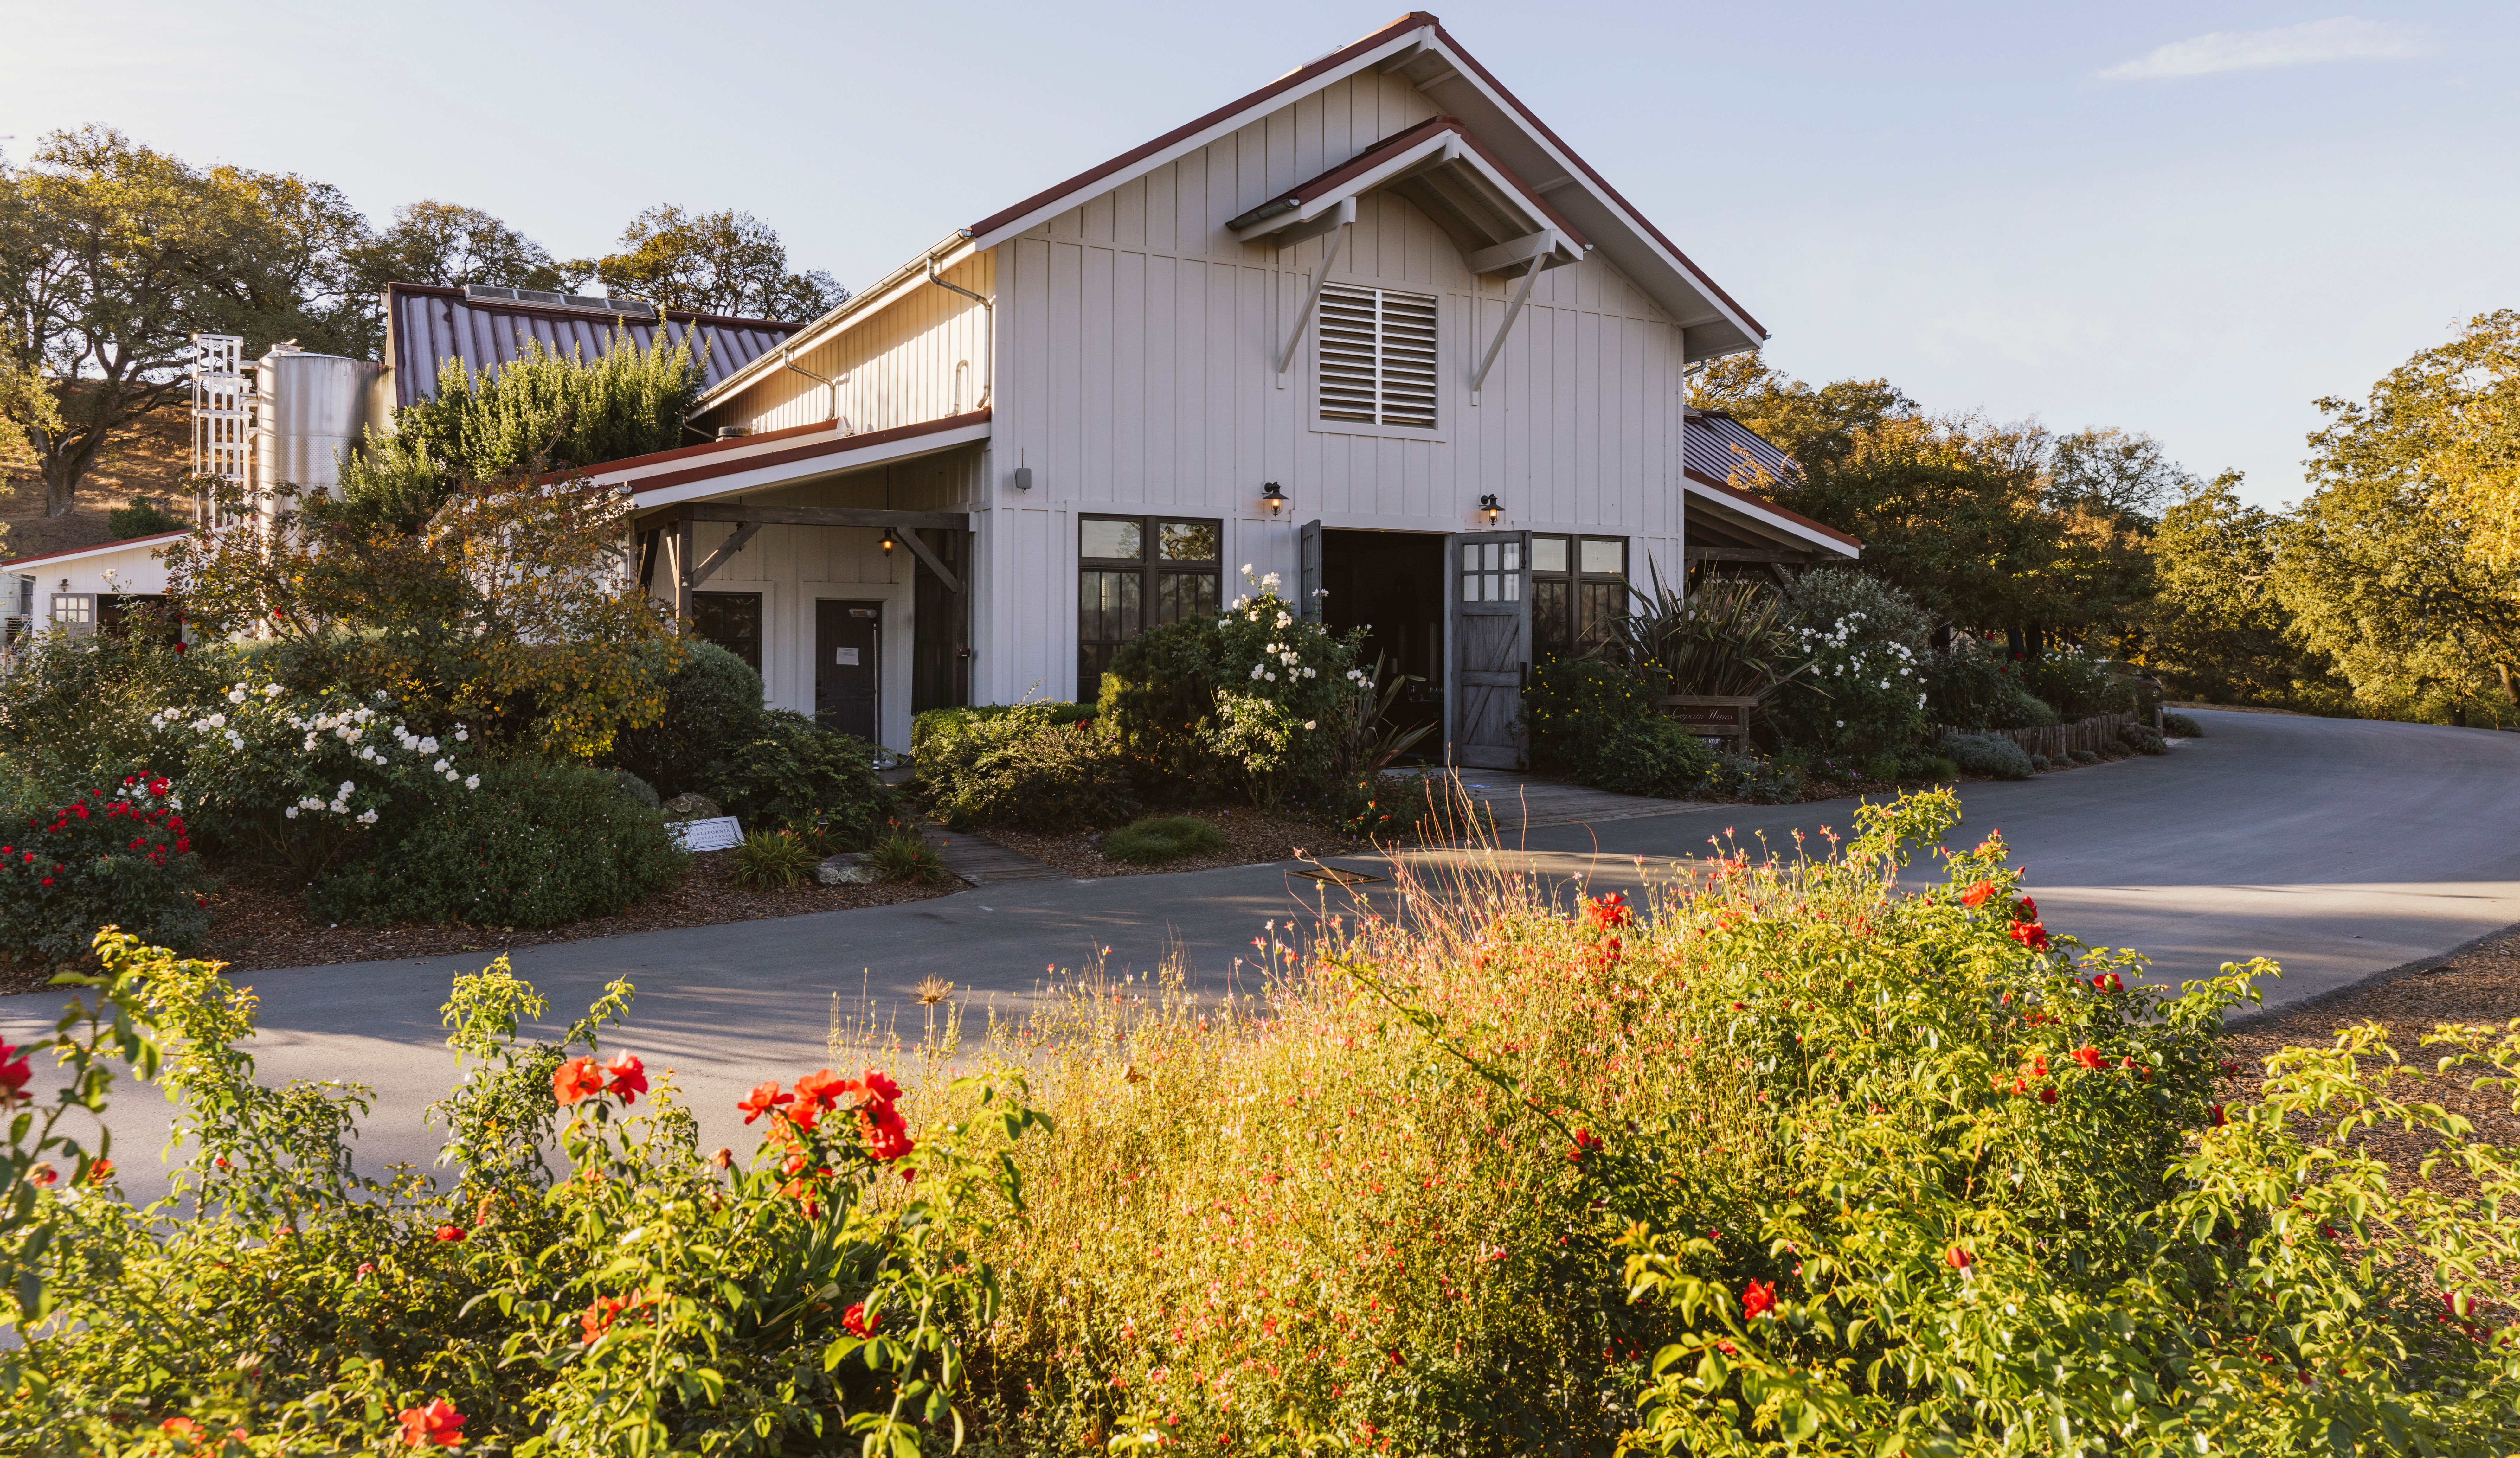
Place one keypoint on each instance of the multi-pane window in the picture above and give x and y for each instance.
(1378, 356)
(1579, 588)
(732, 621)
(1137, 572)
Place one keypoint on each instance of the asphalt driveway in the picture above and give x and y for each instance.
(2340, 848)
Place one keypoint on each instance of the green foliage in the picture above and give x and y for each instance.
(2079, 683)
(2216, 629)
(1754, 777)
(1732, 638)
(712, 700)
(1861, 692)
(1825, 596)
(1152, 842)
(1986, 754)
(638, 791)
(809, 1296)
(902, 854)
(1159, 701)
(2182, 726)
(1974, 685)
(773, 860)
(146, 516)
(538, 843)
(540, 411)
(791, 771)
(725, 262)
(77, 712)
(2143, 738)
(98, 859)
(1597, 724)
(1024, 769)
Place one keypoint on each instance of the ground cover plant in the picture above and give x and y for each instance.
(1154, 841)
(1845, 1154)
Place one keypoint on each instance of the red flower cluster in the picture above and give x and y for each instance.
(624, 1077)
(451, 1234)
(1758, 1298)
(438, 1423)
(1586, 1142)
(604, 1310)
(874, 1097)
(1608, 911)
(858, 1321)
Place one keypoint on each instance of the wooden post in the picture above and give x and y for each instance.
(683, 564)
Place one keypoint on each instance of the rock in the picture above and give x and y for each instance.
(691, 806)
(848, 869)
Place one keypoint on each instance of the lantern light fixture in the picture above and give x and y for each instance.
(1273, 497)
(887, 541)
(1490, 507)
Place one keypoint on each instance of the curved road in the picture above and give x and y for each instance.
(2340, 848)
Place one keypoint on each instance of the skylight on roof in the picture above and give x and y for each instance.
(627, 308)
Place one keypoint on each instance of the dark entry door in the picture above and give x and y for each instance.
(1491, 583)
(848, 643)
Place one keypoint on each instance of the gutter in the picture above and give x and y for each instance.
(988, 338)
(786, 353)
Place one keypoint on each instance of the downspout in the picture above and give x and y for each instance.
(786, 361)
(988, 339)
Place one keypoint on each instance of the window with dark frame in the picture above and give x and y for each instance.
(1579, 588)
(1139, 572)
(732, 621)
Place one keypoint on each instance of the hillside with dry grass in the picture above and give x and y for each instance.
(151, 458)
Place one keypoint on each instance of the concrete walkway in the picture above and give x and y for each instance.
(2340, 848)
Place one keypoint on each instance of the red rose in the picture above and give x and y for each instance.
(451, 1234)
(2029, 934)
(1976, 895)
(765, 1098)
(859, 1321)
(15, 1071)
(2047, 1095)
(575, 1080)
(2107, 982)
(1958, 1258)
(629, 1076)
(1757, 1299)
(2089, 1059)
(438, 1423)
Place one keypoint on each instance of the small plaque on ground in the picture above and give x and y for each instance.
(1337, 875)
(721, 834)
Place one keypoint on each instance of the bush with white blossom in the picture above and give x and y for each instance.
(1864, 694)
(1288, 685)
(302, 778)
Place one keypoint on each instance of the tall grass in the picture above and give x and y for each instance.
(1288, 1214)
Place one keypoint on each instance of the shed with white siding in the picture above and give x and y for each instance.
(1373, 328)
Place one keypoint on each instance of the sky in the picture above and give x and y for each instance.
(2191, 219)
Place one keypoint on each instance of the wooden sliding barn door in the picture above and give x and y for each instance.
(1490, 590)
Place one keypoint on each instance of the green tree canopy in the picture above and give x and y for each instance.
(2216, 629)
(713, 263)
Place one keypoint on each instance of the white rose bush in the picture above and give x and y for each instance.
(1285, 677)
(1864, 693)
(303, 778)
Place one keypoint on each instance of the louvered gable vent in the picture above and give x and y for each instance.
(1377, 361)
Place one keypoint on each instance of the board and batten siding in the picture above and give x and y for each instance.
(921, 357)
(793, 567)
(1137, 342)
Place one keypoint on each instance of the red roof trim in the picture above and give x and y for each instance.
(1385, 150)
(1572, 155)
(99, 549)
(1761, 503)
(1413, 21)
(685, 453)
(839, 447)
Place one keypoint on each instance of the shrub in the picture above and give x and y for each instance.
(1862, 695)
(904, 854)
(2143, 738)
(1755, 778)
(1154, 842)
(1972, 685)
(804, 1297)
(1024, 771)
(2084, 756)
(713, 700)
(2182, 726)
(540, 843)
(637, 792)
(793, 773)
(1987, 753)
(1597, 724)
(75, 711)
(1401, 807)
(2022, 709)
(2080, 684)
(146, 516)
(1732, 638)
(928, 724)
(2040, 763)
(1826, 596)
(773, 860)
(1158, 702)
(98, 859)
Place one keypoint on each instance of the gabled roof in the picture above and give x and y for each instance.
(107, 549)
(776, 457)
(427, 325)
(1497, 220)
(1417, 47)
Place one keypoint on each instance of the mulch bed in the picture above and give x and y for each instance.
(1251, 838)
(259, 921)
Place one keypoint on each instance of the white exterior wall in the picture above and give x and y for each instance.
(921, 358)
(793, 567)
(1137, 342)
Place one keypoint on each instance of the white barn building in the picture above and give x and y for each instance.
(1375, 328)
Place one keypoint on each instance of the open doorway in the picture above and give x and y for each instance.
(1392, 584)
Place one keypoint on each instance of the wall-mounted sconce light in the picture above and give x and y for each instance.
(1273, 497)
(1490, 507)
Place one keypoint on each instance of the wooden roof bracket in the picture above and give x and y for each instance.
(1541, 250)
(1338, 222)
